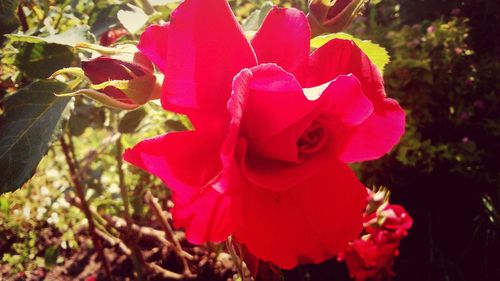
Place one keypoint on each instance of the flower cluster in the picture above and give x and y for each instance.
(371, 257)
(274, 129)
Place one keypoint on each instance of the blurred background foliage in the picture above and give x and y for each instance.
(444, 70)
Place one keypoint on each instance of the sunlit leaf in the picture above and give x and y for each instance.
(28, 126)
(377, 54)
(133, 18)
(69, 38)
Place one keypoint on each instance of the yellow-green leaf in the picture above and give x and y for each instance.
(377, 54)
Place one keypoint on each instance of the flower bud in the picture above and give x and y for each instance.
(123, 81)
(331, 16)
(112, 35)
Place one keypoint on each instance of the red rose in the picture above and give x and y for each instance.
(274, 129)
(392, 219)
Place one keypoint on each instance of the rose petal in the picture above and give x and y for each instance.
(344, 98)
(310, 223)
(153, 43)
(383, 129)
(377, 135)
(206, 216)
(342, 57)
(185, 161)
(206, 49)
(283, 39)
(274, 102)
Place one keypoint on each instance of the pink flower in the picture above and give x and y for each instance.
(274, 129)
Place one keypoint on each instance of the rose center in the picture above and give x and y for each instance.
(313, 139)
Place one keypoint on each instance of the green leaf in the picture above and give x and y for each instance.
(253, 22)
(41, 60)
(70, 37)
(8, 18)
(30, 121)
(377, 54)
(51, 254)
(131, 121)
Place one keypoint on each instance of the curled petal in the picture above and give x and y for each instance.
(377, 135)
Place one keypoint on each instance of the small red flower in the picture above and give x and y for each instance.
(368, 259)
(274, 129)
(371, 257)
(390, 218)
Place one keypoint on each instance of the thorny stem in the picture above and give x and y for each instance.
(85, 207)
(136, 254)
(169, 233)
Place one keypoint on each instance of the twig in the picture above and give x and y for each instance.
(85, 208)
(164, 272)
(22, 18)
(169, 233)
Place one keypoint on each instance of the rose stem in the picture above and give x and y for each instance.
(85, 207)
(136, 255)
(169, 233)
(237, 260)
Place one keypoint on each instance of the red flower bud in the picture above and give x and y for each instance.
(332, 15)
(112, 35)
(126, 82)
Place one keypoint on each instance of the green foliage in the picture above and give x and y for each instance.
(28, 126)
(41, 60)
(8, 19)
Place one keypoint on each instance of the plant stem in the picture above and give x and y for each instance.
(147, 7)
(22, 18)
(85, 207)
(237, 260)
(136, 254)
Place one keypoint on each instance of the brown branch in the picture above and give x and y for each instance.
(164, 272)
(85, 208)
(169, 233)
